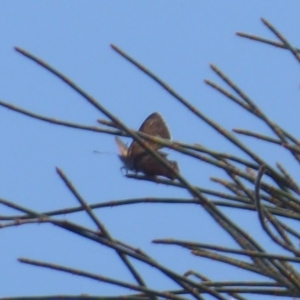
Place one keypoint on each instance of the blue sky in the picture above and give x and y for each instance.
(177, 40)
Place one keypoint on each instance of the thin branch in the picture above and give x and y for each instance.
(283, 39)
(101, 227)
(98, 278)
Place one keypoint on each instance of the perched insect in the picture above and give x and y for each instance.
(136, 158)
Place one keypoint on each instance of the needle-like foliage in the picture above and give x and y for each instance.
(253, 185)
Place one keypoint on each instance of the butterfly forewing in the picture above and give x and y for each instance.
(123, 150)
(153, 125)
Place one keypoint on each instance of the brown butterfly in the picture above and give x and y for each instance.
(136, 158)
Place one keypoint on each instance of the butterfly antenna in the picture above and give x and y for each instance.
(104, 152)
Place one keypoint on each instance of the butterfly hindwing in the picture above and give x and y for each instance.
(150, 166)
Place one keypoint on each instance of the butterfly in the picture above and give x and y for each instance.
(136, 158)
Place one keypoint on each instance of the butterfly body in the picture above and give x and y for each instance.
(137, 159)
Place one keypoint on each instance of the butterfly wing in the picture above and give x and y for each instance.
(150, 166)
(153, 125)
(123, 150)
